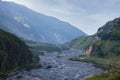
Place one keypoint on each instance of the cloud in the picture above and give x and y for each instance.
(109, 3)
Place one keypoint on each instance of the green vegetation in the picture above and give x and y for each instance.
(81, 42)
(40, 48)
(109, 45)
(106, 48)
(113, 74)
(14, 55)
(103, 49)
(104, 63)
(105, 43)
(111, 30)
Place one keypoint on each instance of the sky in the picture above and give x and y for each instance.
(87, 15)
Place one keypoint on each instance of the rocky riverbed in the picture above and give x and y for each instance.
(56, 66)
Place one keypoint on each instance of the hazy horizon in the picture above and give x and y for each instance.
(86, 15)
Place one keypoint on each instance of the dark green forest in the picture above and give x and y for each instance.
(14, 54)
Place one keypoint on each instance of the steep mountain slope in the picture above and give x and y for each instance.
(106, 41)
(109, 40)
(106, 51)
(14, 54)
(31, 25)
(81, 42)
(105, 48)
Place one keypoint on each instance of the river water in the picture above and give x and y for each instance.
(56, 66)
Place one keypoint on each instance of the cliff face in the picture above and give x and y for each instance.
(88, 50)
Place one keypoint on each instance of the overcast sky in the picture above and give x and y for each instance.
(87, 15)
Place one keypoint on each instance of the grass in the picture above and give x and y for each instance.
(81, 42)
(113, 74)
(110, 64)
(104, 63)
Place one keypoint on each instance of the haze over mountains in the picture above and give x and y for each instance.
(31, 25)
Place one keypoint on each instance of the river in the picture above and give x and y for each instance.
(56, 66)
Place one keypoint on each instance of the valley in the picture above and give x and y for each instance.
(61, 40)
(56, 66)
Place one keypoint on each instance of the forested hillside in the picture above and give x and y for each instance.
(14, 54)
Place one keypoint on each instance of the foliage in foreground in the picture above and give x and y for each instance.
(113, 74)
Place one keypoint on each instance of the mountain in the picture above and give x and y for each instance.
(108, 43)
(105, 51)
(102, 48)
(14, 54)
(31, 25)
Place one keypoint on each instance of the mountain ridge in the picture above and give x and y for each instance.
(32, 25)
(110, 32)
